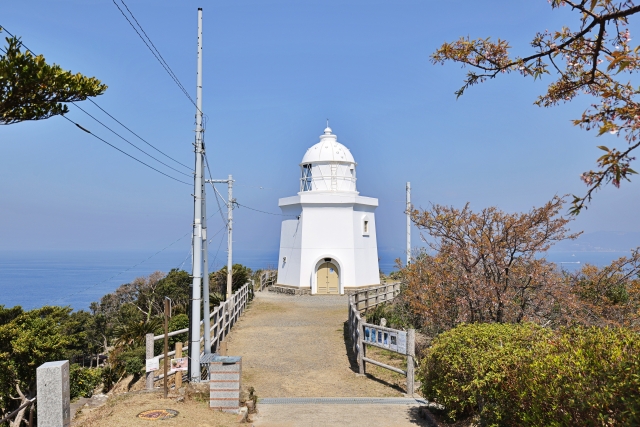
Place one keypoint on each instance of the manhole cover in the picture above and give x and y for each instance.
(158, 414)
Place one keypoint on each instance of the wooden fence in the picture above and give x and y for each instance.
(223, 317)
(267, 278)
(363, 334)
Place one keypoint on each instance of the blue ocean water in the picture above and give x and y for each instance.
(76, 278)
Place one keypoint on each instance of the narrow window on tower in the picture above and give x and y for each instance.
(366, 226)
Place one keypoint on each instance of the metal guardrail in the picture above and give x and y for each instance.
(363, 334)
(223, 317)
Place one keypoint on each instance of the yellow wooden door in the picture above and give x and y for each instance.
(328, 280)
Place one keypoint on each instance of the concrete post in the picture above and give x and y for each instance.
(54, 400)
(149, 355)
(411, 354)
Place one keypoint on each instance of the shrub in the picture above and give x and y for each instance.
(130, 362)
(474, 369)
(525, 375)
(83, 381)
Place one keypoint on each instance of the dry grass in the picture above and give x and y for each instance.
(122, 411)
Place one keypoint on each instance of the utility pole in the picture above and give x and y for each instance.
(194, 344)
(230, 203)
(408, 223)
(230, 239)
(205, 278)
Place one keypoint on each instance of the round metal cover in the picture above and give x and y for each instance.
(158, 414)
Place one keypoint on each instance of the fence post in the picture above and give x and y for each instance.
(411, 353)
(366, 301)
(360, 346)
(178, 376)
(149, 355)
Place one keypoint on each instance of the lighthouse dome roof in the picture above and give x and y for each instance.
(328, 150)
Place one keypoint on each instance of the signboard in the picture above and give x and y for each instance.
(153, 364)
(180, 364)
(386, 338)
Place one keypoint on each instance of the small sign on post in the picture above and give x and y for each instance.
(153, 364)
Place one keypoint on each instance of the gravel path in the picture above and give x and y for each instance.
(293, 346)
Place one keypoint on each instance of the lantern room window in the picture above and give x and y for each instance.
(306, 177)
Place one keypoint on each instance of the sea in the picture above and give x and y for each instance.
(32, 279)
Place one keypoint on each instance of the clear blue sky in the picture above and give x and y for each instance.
(274, 71)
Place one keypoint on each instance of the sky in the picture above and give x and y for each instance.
(274, 71)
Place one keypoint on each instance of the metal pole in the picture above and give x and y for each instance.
(230, 239)
(194, 344)
(408, 222)
(205, 278)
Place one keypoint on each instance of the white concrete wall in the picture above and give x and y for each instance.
(290, 238)
(330, 227)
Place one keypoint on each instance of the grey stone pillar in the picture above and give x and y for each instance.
(54, 400)
(149, 355)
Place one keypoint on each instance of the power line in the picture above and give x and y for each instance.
(134, 266)
(129, 142)
(117, 121)
(215, 191)
(124, 271)
(158, 52)
(157, 56)
(137, 136)
(264, 212)
(124, 152)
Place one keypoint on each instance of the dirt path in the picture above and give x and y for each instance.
(294, 346)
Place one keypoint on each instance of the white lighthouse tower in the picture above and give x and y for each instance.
(328, 243)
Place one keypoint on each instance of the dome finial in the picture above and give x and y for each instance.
(327, 130)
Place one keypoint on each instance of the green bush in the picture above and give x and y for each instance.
(130, 362)
(525, 375)
(395, 313)
(83, 381)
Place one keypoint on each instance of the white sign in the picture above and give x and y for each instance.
(153, 364)
(393, 340)
(402, 342)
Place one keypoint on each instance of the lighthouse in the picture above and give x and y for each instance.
(328, 241)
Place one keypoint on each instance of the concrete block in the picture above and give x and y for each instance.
(54, 400)
(225, 373)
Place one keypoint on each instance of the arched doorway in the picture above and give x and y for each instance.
(328, 282)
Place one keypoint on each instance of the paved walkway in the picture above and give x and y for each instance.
(294, 346)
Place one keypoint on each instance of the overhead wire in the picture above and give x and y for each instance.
(156, 55)
(124, 152)
(129, 142)
(264, 212)
(121, 124)
(158, 52)
(134, 266)
(215, 191)
(136, 135)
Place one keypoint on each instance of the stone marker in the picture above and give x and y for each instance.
(54, 401)
(224, 378)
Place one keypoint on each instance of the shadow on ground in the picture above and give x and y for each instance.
(353, 360)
